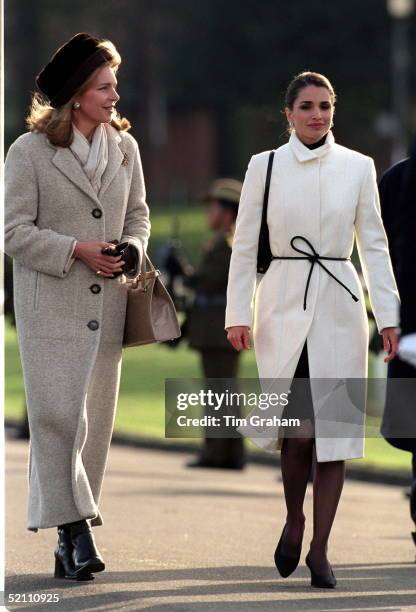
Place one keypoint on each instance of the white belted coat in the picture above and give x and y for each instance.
(327, 195)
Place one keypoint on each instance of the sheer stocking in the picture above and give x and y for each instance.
(327, 488)
(296, 463)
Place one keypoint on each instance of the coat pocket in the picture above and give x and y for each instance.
(37, 291)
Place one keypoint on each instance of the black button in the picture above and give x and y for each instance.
(97, 213)
(93, 325)
(95, 288)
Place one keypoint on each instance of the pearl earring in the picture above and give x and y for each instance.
(77, 105)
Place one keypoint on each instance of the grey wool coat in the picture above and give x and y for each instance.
(69, 321)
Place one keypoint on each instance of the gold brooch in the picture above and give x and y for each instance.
(125, 160)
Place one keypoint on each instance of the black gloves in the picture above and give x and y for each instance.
(128, 254)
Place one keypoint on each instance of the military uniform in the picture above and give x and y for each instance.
(206, 328)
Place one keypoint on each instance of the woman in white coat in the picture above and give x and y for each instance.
(310, 321)
(73, 188)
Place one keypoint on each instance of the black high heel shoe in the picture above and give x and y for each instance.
(285, 564)
(87, 560)
(320, 580)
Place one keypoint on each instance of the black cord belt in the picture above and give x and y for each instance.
(315, 258)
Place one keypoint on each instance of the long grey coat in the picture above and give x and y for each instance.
(328, 195)
(69, 321)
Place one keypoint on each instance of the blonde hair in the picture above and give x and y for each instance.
(56, 123)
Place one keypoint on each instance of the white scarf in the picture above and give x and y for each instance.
(92, 157)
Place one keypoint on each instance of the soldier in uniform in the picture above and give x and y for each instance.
(205, 321)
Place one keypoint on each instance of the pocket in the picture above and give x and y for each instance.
(37, 291)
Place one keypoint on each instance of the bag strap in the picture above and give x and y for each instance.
(143, 268)
(264, 254)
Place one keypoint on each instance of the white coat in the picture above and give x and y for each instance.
(328, 195)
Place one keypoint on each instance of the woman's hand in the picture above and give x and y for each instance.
(103, 265)
(390, 343)
(239, 337)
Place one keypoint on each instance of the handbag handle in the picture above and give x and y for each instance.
(144, 275)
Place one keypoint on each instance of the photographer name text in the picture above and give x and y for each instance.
(233, 421)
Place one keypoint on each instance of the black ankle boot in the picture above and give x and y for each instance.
(85, 555)
(64, 565)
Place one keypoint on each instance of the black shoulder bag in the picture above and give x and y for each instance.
(264, 254)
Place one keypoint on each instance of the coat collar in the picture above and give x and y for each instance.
(67, 163)
(304, 154)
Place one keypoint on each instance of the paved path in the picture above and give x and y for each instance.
(192, 540)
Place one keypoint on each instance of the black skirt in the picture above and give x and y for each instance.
(302, 369)
(300, 404)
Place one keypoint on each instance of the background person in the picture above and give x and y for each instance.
(397, 197)
(73, 186)
(305, 319)
(204, 325)
(206, 317)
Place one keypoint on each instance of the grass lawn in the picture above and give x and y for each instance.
(141, 401)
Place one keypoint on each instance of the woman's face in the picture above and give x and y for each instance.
(312, 113)
(97, 103)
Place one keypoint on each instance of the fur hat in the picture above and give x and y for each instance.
(70, 67)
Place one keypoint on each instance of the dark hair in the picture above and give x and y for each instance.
(304, 79)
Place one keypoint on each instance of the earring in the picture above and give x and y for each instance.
(291, 125)
(76, 106)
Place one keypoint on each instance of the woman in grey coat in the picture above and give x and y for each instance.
(73, 188)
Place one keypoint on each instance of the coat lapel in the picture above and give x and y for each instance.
(65, 161)
(115, 157)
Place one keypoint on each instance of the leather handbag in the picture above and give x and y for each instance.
(150, 314)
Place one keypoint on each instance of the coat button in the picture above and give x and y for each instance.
(93, 325)
(97, 213)
(95, 288)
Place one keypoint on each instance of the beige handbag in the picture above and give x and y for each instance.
(150, 314)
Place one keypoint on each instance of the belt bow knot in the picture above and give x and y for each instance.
(314, 258)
